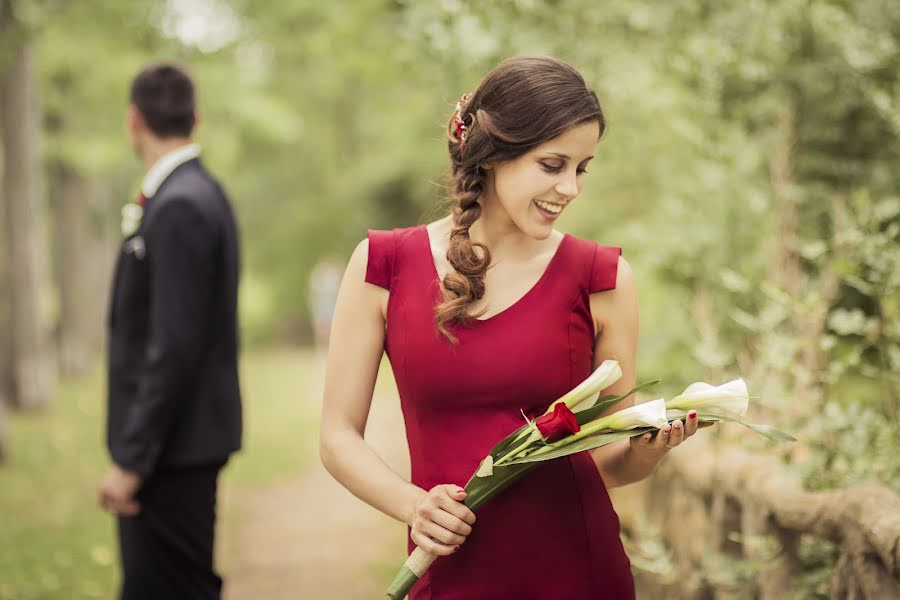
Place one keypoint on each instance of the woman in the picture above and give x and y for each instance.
(473, 347)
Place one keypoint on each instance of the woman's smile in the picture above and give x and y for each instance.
(548, 210)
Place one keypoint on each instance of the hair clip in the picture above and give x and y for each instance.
(461, 130)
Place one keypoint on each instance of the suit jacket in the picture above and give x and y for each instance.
(173, 392)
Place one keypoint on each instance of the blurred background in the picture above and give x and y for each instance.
(749, 170)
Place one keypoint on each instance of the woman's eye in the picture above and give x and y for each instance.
(581, 170)
(551, 168)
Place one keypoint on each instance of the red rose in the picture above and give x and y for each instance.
(558, 424)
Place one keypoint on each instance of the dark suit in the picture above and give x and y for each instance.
(174, 412)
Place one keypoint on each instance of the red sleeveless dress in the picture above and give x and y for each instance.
(554, 534)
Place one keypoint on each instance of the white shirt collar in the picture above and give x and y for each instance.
(163, 167)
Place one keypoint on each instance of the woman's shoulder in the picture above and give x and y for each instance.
(381, 250)
(392, 237)
(589, 246)
(603, 264)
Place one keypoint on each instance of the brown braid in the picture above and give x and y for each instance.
(464, 285)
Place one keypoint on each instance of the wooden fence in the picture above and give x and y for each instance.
(713, 499)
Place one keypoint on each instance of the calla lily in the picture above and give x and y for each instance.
(646, 414)
(603, 376)
(730, 399)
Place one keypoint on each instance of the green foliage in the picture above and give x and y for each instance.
(748, 168)
(56, 544)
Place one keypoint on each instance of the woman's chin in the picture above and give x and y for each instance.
(538, 231)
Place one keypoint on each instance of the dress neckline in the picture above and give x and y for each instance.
(531, 291)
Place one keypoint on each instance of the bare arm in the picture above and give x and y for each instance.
(616, 323)
(354, 354)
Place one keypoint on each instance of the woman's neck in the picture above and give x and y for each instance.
(502, 237)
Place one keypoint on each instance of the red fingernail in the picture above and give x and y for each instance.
(693, 415)
(456, 548)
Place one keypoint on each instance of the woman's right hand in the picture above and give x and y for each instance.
(441, 521)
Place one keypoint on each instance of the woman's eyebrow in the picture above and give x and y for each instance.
(566, 156)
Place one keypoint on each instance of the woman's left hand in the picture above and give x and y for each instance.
(668, 437)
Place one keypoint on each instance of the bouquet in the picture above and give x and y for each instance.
(574, 423)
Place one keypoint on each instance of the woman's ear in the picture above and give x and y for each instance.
(486, 166)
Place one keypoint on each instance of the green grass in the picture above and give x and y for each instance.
(54, 541)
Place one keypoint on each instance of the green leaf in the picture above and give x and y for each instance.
(506, 442)
(481, 489)
(776, 435)
(588, 443)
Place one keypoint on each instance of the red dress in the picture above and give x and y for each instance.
(554, 534)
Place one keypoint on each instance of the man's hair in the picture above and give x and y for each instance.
(164, 95)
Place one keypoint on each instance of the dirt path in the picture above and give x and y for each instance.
(309, 537)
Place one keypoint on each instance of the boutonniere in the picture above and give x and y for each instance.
(132, 213)
(136, 247)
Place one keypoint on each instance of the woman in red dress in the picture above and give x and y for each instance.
(485, 314)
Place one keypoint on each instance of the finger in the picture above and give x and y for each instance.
(441, 534)
(677, 435)
(453, 505)
(452, 523)
(451, 491)
(662, 438)
(690, 424)
(642, 440)
(107, 502)
(115, 505)
(130, 508)
(429, 545)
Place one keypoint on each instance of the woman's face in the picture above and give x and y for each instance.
(535, 188)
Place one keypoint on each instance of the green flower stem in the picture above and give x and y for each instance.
(589, 429)
(513, 453)
(401, 585)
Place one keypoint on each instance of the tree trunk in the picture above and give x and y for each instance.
(31, 364)
(5, 349)
(786, 268)
(76, 338)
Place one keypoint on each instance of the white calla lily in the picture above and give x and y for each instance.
(729, 399)
(603, 376)
(645, 414)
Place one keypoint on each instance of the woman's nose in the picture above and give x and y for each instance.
(568, 185)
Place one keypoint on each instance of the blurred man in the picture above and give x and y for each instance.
(174, 408)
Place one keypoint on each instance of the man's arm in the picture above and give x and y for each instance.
(180, 250)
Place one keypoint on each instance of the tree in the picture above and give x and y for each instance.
(26, 244)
